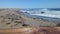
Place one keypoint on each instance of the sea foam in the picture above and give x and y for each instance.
(47, 13)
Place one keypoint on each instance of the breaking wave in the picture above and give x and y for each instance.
(45, 12)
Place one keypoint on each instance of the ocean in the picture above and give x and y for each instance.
(52, 14)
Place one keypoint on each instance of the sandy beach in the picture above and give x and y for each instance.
(10, 18)
(13, 21)
(38, 30)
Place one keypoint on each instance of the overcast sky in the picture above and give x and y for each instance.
(29, 3)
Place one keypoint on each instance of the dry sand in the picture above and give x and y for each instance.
(38, 30)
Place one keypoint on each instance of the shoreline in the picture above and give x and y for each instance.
(10, 18)
(42, 17)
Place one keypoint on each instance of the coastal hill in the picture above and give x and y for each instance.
(10, 18)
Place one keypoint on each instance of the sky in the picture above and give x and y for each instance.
(29, 3)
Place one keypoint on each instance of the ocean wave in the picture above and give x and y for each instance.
(43, 12)
(48, 15)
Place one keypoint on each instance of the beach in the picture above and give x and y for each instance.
(14, 18)
(15, 21)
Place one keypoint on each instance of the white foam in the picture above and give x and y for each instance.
(48, 15)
